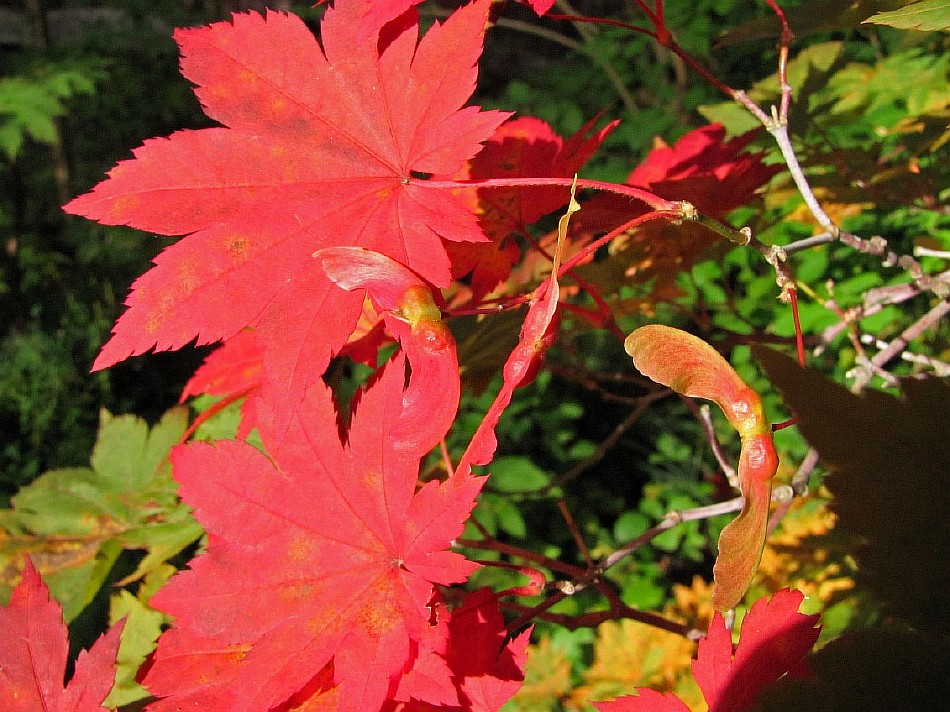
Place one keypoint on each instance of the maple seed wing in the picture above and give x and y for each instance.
(685, 363)
(693, 368)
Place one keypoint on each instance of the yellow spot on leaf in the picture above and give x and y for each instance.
(277, 104)
(239, 246)
(300, 550)
(382, 612)
(123, 205)
(372, 480)
(188, 277)
(247, 77)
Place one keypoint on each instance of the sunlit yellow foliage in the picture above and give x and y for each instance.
(800, 554)
(547, 679)
(629, 654)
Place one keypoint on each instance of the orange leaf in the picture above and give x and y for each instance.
(693, 368)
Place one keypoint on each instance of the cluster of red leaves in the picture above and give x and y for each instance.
(307, 208)
(319, 147)
(319, 583)
(703, 168)
(321, 551)
(525, 147)
(382, 11)
(465, 661)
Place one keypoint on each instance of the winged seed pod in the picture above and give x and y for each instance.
(693, 368)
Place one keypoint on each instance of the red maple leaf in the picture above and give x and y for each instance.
(33, 652)
(715, 175)
(321, 552)
(235, 368)
(525, 147)
(773, 642)
(232, 371)
(486, 668)
(319, 147)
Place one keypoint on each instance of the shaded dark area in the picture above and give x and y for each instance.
(889, 462)
(89, 82)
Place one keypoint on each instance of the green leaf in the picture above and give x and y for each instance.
(75, 522)
(643, 591)
(510, 520)
(127, 455)
(926, 16)
(517, 474)
(143, 625)
(29, 105)
(806, 71)
(810, 18)
(630, 525)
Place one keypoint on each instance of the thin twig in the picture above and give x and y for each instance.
(591, 381)
(585, 31)
(784, 495)
(671, 520)
(784, 42)
(866, 371)
(939, 284)
(575, 532)
(607, 443)
(593, 576)
(489, 543)
(705, 418)
(799, 481)
(594, 618)
(920, 251)
(941, 368)
(780, 132)
(807, 243)
(529, 28)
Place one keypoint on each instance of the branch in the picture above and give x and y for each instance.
(938, 284)
(779, 131)
(607, 443)
(784, 495)
(705, 418)
(865, 371)
(594, 618)
(674, 207)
